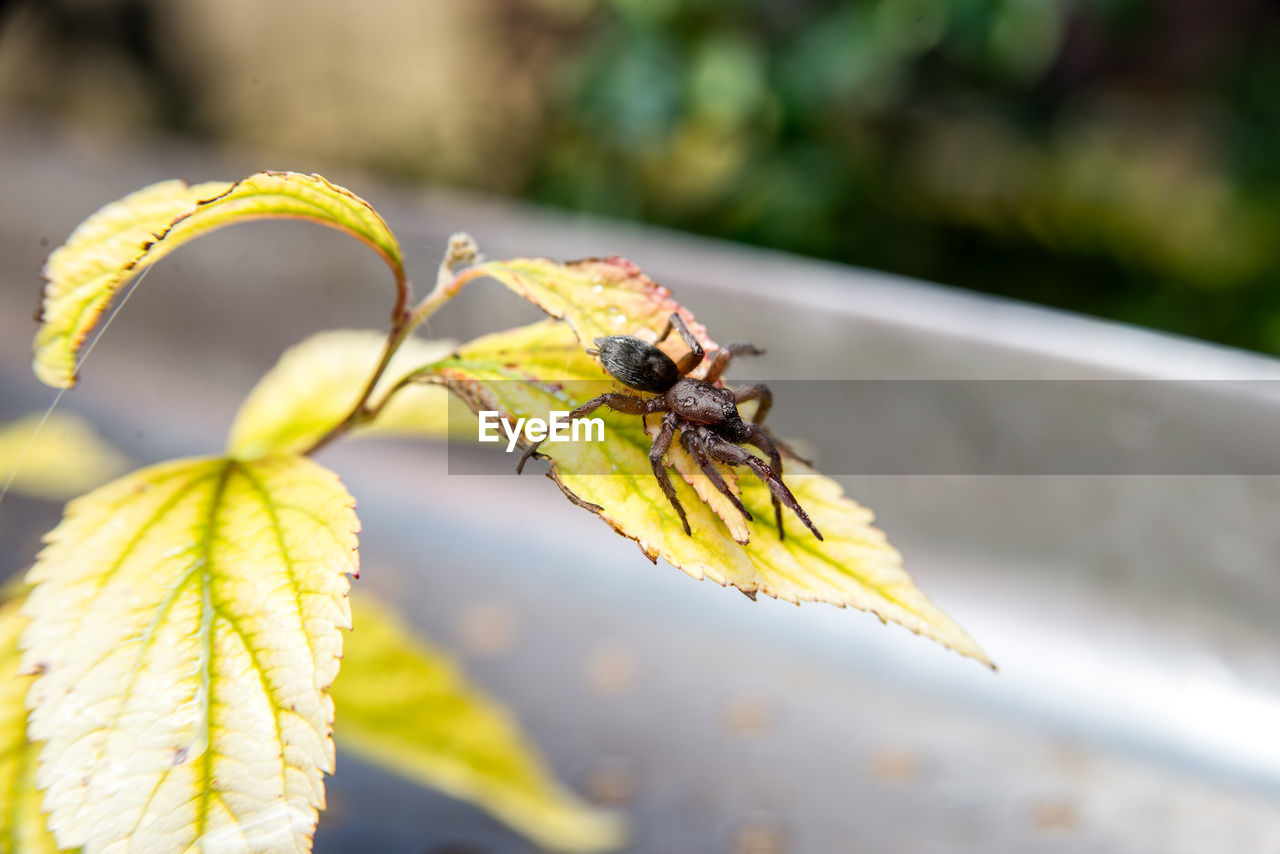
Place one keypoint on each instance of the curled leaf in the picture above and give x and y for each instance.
(22, 824)
(56, 460)
(184, 631)
(402, 705)
(315, 384)
(104, 252)
(530, 371)
(123, 238)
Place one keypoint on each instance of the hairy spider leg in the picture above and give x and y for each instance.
(758, 437)
(785, 448)
(762, 393)
(722, 357)
(618, 402)
(753, 392)
(661, 443)
(727, 452)
(695, 443)
(689, 360)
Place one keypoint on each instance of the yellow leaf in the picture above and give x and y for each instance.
(402, 705)
(123, 238)
(595, 296)
(530, 371)
(63, 458)
(185, 630)
(22, 824)
(316, 383)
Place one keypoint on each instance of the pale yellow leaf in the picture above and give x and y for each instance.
(22, 824)
(316, 382)
(402, 705)
(185, 629)
(530, 371)
(123, 238)
(62, 458)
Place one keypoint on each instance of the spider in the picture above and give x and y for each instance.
(711, 428)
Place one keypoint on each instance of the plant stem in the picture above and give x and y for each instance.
(403, 322)
(359, 413)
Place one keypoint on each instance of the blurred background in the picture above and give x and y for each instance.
(1119, 158)
(1114, 157)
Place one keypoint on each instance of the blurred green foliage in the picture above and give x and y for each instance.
(1116, 157)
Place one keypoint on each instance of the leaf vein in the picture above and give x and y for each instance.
(289, 565)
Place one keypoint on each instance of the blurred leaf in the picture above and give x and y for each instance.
(22, 824)
(1092, 189)
(402, 705)
(123, 238)
(184, 632)
(315, 384)
(727, 78)
(597, 296)
(61, 459)
(530, 371)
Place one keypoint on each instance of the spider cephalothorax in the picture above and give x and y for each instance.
(711, 428)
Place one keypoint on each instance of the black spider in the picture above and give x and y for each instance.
(711, 429)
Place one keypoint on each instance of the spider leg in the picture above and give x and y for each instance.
(693, 358)
(785, 448)
(752, 392)
(761, 440)
(695, 444)
(661, 443)
(618, 402)
(721, 361)
(726, 451)
(531, 451)
(762, 394)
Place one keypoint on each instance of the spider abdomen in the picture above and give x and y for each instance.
(637, 364)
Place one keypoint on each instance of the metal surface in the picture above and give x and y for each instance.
(1133, 617)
